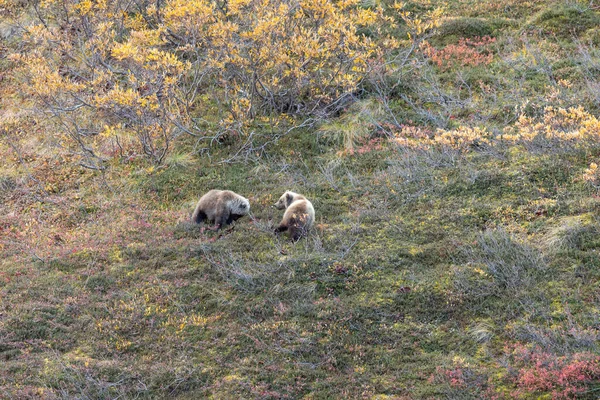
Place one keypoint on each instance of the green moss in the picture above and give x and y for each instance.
(36, 325)
(454, 29)
(566, 21)
(99, 282)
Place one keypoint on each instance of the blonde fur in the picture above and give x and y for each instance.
(221, 206)
(298, 217)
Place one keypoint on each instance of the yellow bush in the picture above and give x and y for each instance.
(99, 64)
(557, 129)
(558, 126)
(276, 55)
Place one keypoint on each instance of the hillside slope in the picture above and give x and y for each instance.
(455, 252)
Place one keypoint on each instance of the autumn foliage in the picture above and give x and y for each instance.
(563, 377)
(467, 52)
(123, 80)
(451, 150)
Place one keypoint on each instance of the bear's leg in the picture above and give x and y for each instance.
(281, 228)
(295, 234)
(223, 219)
(199, 217)
(230, 219)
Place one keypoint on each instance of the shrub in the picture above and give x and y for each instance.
(458, 140)
(558, 129)
(563, 377)
(468, 52)
(524, 372)
(121, 82)
(592, 176)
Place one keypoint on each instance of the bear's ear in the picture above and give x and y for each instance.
(289, 197)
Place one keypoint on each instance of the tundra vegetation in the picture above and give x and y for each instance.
(450, 149)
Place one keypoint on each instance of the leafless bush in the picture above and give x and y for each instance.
(498, 264)
(428, 97)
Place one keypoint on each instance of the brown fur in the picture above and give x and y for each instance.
(221, 206)
(298, 217)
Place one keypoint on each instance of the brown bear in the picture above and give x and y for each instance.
(221, 206)
(298, 217)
